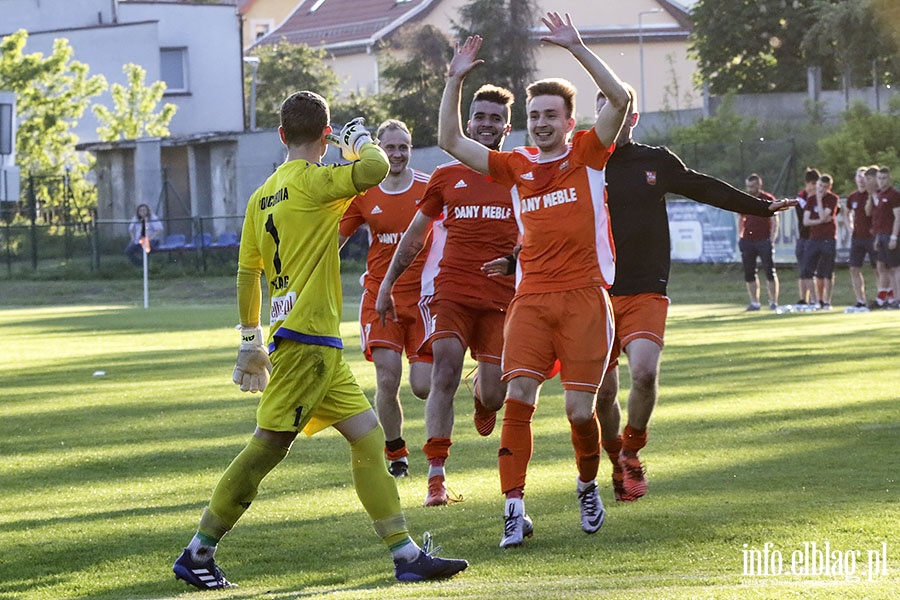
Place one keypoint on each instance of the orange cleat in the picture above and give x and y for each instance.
(634, 481)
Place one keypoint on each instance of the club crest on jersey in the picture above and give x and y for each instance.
(651, 177)
(564, 166)
(528, 176)
(376, 210)
(460, 184)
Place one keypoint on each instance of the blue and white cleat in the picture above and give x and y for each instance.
(427, 565)
(205, 575)
(517, 526)
(592, 512)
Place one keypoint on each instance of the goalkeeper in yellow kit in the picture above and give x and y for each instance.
(290, 233)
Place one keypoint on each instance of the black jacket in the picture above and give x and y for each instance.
(637, 180)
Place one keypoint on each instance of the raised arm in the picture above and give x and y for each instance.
(371, 168)
(411, 243)
(612, 114)
(450, 134)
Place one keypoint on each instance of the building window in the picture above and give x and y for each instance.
(173, 69)
(261, 27)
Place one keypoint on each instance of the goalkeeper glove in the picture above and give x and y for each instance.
(351, 138)
(253, 366)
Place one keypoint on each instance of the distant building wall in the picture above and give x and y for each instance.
(789, 107)
(209, 35)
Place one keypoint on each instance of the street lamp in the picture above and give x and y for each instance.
(641, 48)
(253, 63)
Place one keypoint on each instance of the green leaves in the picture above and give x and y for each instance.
(52, 95)
(418, 80)
(753, 46)
(864, 138)
(285, 68)
(133, 115)
(508, 49)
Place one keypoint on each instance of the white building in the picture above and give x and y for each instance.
(194, 48)
(207, 166)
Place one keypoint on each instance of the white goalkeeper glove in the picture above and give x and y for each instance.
(351, 138)
(253, 366)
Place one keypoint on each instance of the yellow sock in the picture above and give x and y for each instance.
(239, 485)
(376, 488)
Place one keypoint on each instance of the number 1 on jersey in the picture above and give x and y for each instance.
(271, 230)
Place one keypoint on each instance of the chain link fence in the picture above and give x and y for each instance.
(53, 231)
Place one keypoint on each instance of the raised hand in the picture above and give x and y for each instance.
(562, 33)
(464, 59)
(784, 204)
(351, 138)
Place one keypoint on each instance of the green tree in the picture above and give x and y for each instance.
(285, 68)
(851, 35)
(417, 81)
(508, 49)
(372, 107)
(726, 145)
(52, 94)
(863, 138)
(134, 113)
(751, 46)
(727, 126)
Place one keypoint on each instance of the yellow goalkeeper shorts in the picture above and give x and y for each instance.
(311, 388)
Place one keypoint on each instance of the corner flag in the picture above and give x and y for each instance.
(144, 241)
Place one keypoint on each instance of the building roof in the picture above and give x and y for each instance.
(337, 24)
(347, 26)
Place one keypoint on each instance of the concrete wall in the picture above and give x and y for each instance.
(786, 107)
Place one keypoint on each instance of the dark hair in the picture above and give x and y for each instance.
(812, 175)
(872, 171)
(885, 170)
(554, 86)
(825, 178)
(632, 95)
(754, 177)
(495, 94)
(304, 116)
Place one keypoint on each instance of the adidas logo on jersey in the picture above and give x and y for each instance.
(460, 184)
(528, 176)
(376, 210)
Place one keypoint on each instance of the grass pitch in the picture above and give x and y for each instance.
(771, 429)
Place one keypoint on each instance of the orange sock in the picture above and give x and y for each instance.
(612, 449)
(633, 439)
(437, 450)
(395, 449)
(516, 445)
(586, 441)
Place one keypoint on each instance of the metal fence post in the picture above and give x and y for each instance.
(32, 213)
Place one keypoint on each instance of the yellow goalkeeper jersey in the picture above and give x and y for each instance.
(290, 233)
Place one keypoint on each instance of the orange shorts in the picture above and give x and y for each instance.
(574, 326)
(479, 329)
(638, 316)
(407, 333)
